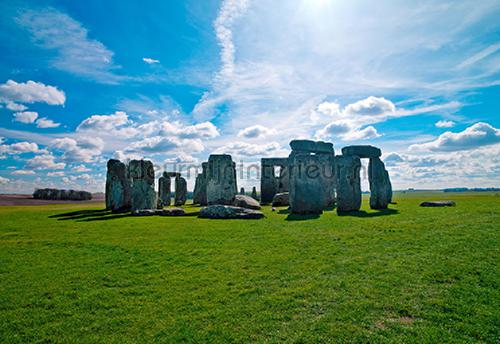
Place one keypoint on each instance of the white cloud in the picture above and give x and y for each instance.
(23, 172)
(161, 144)
(81, 149)
(19, 148)
(444, 124)
(55, 174)
(256, 131)
(200, 130)
(244, 149)
(104, 123)
(484, 53)
(15, 106)
(76, 52)
(44, 122)
(181, 158)
(25, 117)
(371, 106)
(150, 60)
(45, 162)
(81, 168)
(477, 135)
(30, 92)
(4, 180)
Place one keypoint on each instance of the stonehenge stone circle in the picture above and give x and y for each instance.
(221, 180)
(180, 191)
(348, 183)
(270, 183)
(380, 185)
(312, 176)
(118, 186)
(254, 193)
(200, 187)
(164, 193)
(281, 199)
(143, 177)
(362, 151)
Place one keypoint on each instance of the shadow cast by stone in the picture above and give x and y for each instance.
(101, 218)
(89, 215)
(362, 213)
(81, 213)
(302, 217)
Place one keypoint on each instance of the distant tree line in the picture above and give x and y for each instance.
(471, 189)
(62, 195)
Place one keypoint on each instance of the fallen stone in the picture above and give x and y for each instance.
(144, 212)
(171, 212)
(244, 201)
(362, 151)
(229, 212)
(281, 200)
(438, 204)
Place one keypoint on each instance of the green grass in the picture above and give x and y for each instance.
(411, 275)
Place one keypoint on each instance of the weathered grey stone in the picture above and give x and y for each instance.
(254, 193)
(164, 193)
(242, 191)
(348, 183)
(118, 186)
(244, 201)
(229, 212)
(362, 151)
(311, 146)
(281, 199)
(180, 191)
(270, 183)
(380, 185)
(221, 180)
(171, 212)
(142, 175)
(438, 204)
(327, 174)
(306, 184)
(144, 212)
(200, 187)
(196, 191)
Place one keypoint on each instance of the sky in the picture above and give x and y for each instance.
(175, 81)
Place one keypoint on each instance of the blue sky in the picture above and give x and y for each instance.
(174, 81)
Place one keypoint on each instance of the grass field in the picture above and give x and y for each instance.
(73, 273)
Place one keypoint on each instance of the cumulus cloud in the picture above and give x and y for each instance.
(444, 124)
(55, 174)
(249, 149)
(200, 130)
(477, 135)
(181, 158)
(150, 60)
(161, 144)
(30, 92)
(371, 106)
(82, 149)
(81, 168)
(15, 106)
(104, 123)
(256, 131)
(45, 162)
(19, 148)
(4, 180)
(25, 117)
(23, 172)
(44, 122)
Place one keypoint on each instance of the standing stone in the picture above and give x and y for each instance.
(203, 185)
(242, 191)
(180, 191)
(221, 180)
(118, 186)
(380, 185)
(327, 174)
(143, 178)
(196, 191)
(254, 193)
(348, 183)
(164, 193)
(306, 187)
(270, 183)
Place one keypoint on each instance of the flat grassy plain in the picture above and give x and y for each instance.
(77, 274)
